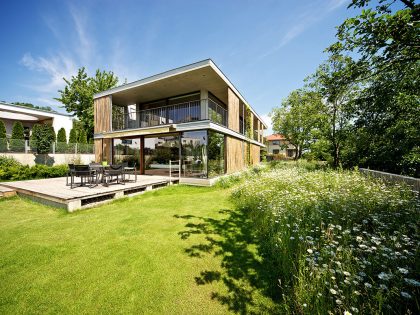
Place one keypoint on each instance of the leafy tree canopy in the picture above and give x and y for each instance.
(77, 96)
(299, 118)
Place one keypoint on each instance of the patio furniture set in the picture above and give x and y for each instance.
(93, 174)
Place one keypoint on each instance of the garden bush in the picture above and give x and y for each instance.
(11, 169)
(335, 241)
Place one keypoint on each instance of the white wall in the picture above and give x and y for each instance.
(29, 159)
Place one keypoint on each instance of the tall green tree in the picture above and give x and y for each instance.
(383, 37)
(61, 140)
(73, 135)
(384, 40)
(42, 138)
(299, 119)
(82, 137)
(3, 140)
(332, 80)
(61, 136)
(17, 141)
(77, 96)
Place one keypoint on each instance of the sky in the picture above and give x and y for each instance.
(266, 48)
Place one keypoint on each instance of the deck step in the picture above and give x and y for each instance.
(7, 192)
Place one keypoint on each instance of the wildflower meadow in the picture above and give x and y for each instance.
(336, 241)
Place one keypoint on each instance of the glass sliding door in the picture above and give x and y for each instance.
(216, 154)
(158, 151)
(126, 151)
(194, 154)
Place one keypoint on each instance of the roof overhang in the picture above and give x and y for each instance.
(191, 126)
(194, 77)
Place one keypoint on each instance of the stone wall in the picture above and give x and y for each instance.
(52, 159)
(411, 181)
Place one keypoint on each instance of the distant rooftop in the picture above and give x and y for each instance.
(275, 137)
(23, 107)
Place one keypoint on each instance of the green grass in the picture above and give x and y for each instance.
(178, 250)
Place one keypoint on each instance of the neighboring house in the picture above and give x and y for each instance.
(190, 116)
(10, 113)
(277, 144)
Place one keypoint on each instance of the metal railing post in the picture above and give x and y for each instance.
(170, 175)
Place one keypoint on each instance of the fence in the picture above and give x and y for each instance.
(389, 177)
(26, 146)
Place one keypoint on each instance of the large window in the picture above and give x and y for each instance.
(158, 152)
(127, 151)
(216, 154)
(194, 153)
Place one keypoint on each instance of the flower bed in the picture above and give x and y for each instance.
(336, 241)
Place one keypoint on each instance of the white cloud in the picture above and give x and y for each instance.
(310, 15)
(85, 48)
(55, 67)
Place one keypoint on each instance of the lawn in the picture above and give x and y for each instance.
(178, 250)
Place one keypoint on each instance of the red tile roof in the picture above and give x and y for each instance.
(275, 137)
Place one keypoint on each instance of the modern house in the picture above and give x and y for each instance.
(277, 145)
(190, 120)
(10, 113)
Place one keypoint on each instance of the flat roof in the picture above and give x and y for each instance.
(20, 108)
(207, 63)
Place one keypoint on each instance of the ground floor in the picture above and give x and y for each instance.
(201, 154)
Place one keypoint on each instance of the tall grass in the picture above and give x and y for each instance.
(336, 241)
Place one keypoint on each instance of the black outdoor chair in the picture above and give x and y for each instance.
(114, 171)
(130, 169)
(99, 169)
(87, 176)
(71, 168)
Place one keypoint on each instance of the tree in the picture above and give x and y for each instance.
(299, 118)
(385, 44)
(42, 138)
(77, 96)
(61, 140)
(61, 136)
(53, 135)
(82, 137)
(384, 38)
(73, 135)
(3, 140)
(17, 141)
(332, 80)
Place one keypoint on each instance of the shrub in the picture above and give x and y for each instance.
(10, 169)
(3, 140)
(17, 141)
(335, 241)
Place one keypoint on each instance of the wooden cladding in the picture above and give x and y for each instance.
(103, 150)
(255, 154)
(233, 111)
(235, 159)
(102, 111)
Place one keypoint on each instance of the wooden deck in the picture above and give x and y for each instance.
(54, 192)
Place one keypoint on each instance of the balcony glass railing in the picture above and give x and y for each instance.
(205, 109)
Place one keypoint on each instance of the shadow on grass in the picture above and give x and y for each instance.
(243, 272)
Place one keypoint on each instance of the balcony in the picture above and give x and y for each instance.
(205, 109)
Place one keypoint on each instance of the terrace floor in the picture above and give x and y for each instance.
(55, 192)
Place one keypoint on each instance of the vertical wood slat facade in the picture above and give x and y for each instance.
(233, 111)
(102, 111)
(255, 154)
(234, 155)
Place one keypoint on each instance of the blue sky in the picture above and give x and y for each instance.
(266, 48)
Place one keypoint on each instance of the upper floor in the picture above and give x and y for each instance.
(190, 97)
